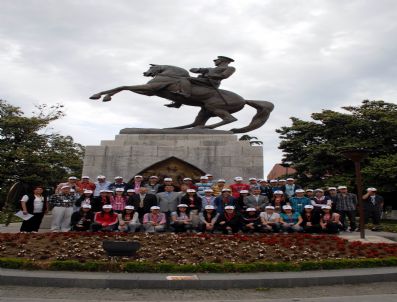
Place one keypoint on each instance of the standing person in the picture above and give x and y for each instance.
(105, 220)
(81, 220)
(299, 201)
(142, 201)
(290, 222)
(129, 220)
(118, 183)
(274, 185)
(229, 222)
(202, 185)
(154, 221)
(319, 199)
(35, 204)
(86, 184)
(219, 186)
(189, 182)
(194, 203)
(180, 219)
(118, 201)
(253, 183)
(333, 195)
(265, 189)
(278, 201)
(256, 200)
(62, 209)
(207, 199)
(346, 204)
(238, 186)
(270, 220)
(72, 182)
(101, 184)
(166, 182)
(208, 218)
(86, 198)
(225, 199)
(136, 183)
(240, 201)
(153, 184)
(290, 187)
(168, 201)
(100, 200)
(373, 207)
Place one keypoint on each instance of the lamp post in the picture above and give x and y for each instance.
(357, 155)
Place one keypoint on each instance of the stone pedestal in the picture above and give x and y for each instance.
(219, 153)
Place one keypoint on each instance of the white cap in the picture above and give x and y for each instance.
(65, 187)
(309, 190)
(119, 190)
(208, 175)
(252, 178)
(326, 207)
(209, 207)
(191, 191)
(300, 191)
(182, 205)
(250, 210)
(154, 208)
(372, 190)
(72, 177)
(138, 176)
(203, 177)
(278, 192)
(238, 178)
(101, 176)
(130, 190)
(229, 208)
(263, 180)
(86, 206)
(186, 179)
(118, 177)
(287, 207)
(85, 176)
(281, 180)
(129, 208)
(273, 180)
(107, 206)
(309, 206)
(72, 190)
(221, 180)
(269, 208)
(226, 190)
(342, 187)
(244, 192)
(103, 191)
(168, 179)
(88, 192)
(109, 191)
(319, 190)
(209, 190)
(331, 188)
(154, 176)
(290, 178)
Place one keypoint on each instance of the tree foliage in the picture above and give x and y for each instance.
(313, 147)
(31, 155)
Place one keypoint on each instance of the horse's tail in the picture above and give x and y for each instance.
(263, 110)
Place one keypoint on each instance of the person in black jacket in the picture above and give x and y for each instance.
(229, 221)
(82, 219)
(310, 220)
(35, 204)
(142, 202)
(251, 222)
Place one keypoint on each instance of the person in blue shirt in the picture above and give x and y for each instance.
(290, 221)
(299, 201)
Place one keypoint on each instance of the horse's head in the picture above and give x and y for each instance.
(153, 70)
(166, 70)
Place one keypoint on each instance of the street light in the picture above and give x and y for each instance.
(357, 155)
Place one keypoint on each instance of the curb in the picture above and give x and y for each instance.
(199, 281)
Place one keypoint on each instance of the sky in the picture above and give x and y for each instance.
(302, 55)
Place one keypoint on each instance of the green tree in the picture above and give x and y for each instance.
(253, 140)
(313, 147)
(29, 154)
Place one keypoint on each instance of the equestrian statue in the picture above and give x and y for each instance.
(176, 84)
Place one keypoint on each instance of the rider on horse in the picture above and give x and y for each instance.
(209, 77)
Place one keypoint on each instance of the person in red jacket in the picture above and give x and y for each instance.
(105, 220)
(238, 186)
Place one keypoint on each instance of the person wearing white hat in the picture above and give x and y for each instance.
(253, 183)
(62, 204)
(86, 184)
(274, 185)
(153, 184)
(189, 182)
(168, 201)
(167, 181)
(290, 221)
(194, 202)
(81, 220)
(373, 207)
(299, 201)
(203, 184)
(72, 182)
(208, 198)
(278, 200)
(319, 199)
(106, 220)
(345, 205)
(332, 193)
(256, 200)
(230, 221)
(290, 187)
(101, 184)
(129, 220)
(119, 200)
(86, 198)
(223, 200)
(219, 186)
(155, 221)
(135, 183)
(142, 201)
(330, 222)
(270, 220)
(180, 219)
(251, 222)
(309, 193)
(118, 183)
(207, 219)
(310, 220)
(238, 186)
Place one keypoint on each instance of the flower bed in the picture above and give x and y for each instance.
(192, 252)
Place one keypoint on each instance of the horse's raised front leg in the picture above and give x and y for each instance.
(143, 89)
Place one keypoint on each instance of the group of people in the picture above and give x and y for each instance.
(206, 205)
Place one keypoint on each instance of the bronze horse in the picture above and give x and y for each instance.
(213, 102)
